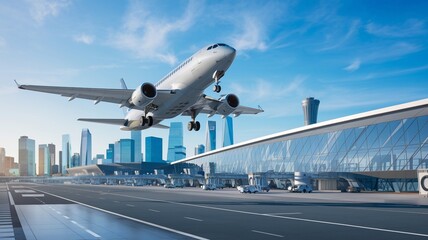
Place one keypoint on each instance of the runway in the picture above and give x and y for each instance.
(190, 213)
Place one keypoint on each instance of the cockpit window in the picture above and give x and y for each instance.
(216, 45)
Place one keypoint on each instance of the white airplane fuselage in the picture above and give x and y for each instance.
(188, 81)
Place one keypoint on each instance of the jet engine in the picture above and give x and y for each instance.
(229, 103)
(143, 95)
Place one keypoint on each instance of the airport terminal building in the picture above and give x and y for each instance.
(381, 150)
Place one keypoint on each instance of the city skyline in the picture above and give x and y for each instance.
(372, 53)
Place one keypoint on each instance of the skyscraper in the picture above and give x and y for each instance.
(51, 149)
(228, 131)
(110, 153)
(75, 160)
(2, 161)
(136, 136)
(153, 149)
(44, 165)
(199, 149)
(126, 150)
(310, 110)
(210, 136)
(27, 156)
(86, 148)
(66, 153)
(175, 142)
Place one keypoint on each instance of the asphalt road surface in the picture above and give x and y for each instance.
(228, 214)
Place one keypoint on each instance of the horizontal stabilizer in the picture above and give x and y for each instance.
(113, 121)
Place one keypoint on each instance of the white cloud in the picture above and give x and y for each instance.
(353, 28)
(411, 27)
(146, 35)
(40, 9)
(394, 51)
(250, 36)
(84, 38)
(355, 65)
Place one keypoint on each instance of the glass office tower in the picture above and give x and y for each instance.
(136, 136)
(228, 132)
(66, 153)
(27, 156)
(175, 142)
(126, 150)
(210, 136)
(44, 160)
(86, 147)
(153, 149)
(52, 158)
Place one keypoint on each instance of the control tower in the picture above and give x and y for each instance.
(310, 110)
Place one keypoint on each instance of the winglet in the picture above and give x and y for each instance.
(122, 82)
(18, 85)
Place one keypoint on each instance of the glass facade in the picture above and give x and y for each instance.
(395, 142)
(136, 136)
(44, 160)
(66, 153)
(127, 150)
(228, 132)
(175, 140)
(210, 136)
(27, 156)
(153, 149)
(86, 148)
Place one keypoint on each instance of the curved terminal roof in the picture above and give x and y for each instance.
(406, 110)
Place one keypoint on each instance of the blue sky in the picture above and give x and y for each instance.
(354, 56)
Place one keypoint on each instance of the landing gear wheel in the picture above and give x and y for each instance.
(217, 88)
(143, 121)
(150, 121)
(197, 126)
(190, 126)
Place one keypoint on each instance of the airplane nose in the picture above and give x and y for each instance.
(230, 53)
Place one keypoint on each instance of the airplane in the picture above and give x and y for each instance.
(180, 92)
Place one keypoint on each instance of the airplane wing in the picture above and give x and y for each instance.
(209, 105)
(119, 96)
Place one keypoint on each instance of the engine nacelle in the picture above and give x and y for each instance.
(143, 95)
(229, 104)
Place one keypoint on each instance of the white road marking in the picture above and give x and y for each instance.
(92, 233)
(11, 199)
(290, 213)
(24, 191)
(77, 224)
(66, 217)
(130, 205)
(130, 218)
(194, 219)
(33, 195)
(395, 211)
(153, 210)
(266, 233)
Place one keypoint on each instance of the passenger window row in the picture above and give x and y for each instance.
(174, 71)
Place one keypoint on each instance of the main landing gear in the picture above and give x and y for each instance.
(146, 120)
(217, 88)
(194, 125)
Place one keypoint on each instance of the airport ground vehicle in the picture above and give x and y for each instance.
(301, 189)
(209, 187)
(169, 185)
(247, 189)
